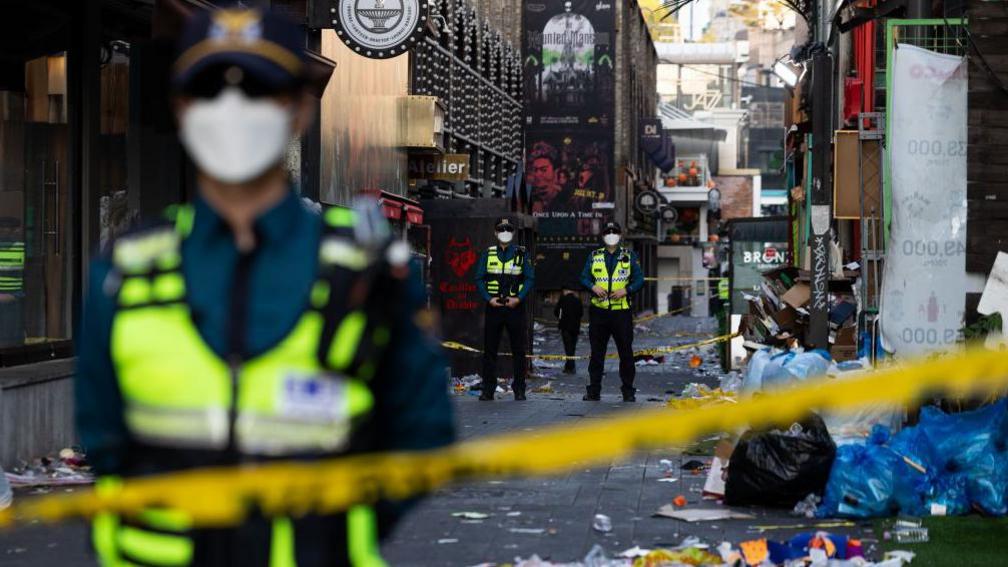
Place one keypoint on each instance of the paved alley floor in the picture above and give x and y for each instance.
(550, 517)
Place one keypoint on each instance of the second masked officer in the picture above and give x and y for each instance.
(612, 273)
(504, 277)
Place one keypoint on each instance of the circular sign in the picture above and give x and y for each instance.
(648, 202)
(380, 28)
(669, 215)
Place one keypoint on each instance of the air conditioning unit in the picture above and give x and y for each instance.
(421, 124)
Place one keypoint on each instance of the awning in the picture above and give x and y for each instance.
(399, 208)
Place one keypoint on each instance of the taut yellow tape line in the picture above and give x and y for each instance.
(222, 496)
(646, 352)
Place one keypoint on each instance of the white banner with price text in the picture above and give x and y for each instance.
(924, 288)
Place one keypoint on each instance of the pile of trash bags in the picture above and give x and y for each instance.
(948, 464)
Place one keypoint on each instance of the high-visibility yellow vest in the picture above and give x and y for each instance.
(12, 262)
(303, 397)
(619, 279)
(723, 291)
(505, 279)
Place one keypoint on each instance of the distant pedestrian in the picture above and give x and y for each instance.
(504, 277)
(612, 273)
(569, 311)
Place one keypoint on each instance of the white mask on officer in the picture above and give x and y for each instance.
(505, 237)
(611, 239)
(235, 138)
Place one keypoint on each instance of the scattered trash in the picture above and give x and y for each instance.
(807, 507)
(715, 483)
(546, 388)
(694, 466)
(817, 526)
(447, 540)
(698, 395)
(533, 531)
(68, 468)
(701, 514)
(731, 383)
(679, 501)
(667, 479)
(911, 535)
(471, 515)
(513, 514)
(471, 382)
(633, 552)
(695, 361)
(602, 523)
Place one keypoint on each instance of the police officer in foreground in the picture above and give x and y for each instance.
(504, 277)
(612, 273)
(245, 328)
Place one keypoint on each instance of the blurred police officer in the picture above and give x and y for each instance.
(245, 327)
(612, 273)
(504, 277)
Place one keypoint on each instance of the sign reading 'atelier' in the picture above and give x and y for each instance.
(379, 29)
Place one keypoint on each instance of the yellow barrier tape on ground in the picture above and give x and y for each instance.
(222, 496)
(452, 345)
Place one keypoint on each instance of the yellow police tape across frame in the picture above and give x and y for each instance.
(222, 496)
(452, 345)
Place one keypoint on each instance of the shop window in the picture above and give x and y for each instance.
(116, 211)
(34, 196)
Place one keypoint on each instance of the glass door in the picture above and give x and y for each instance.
(34, 152)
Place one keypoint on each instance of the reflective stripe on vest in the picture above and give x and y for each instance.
(12, 261)
(177, 391)
(499, 272)
(620, 278)
(722, 288)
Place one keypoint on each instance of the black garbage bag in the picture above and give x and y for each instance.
(780, 467)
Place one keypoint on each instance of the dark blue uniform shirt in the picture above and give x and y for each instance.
(636, 275)
(412, 408)
(527, 269)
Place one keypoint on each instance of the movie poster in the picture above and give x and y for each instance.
(568, 86)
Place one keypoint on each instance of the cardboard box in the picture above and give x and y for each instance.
(845, 345)
(798, 296)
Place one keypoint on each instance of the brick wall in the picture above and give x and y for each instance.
(736, 196)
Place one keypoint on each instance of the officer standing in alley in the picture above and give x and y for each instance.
(504, 277)
(245, 327)
(612, 273)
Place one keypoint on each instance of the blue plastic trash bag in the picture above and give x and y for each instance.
(959, 440)
(791, 368)
(6, 495)
(863, 479)
(987, 482)
(941, 493)
(974, 445)
(753, 379)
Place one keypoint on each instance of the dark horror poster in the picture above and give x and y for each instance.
(568, 74)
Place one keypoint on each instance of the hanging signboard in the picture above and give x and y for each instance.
(379, 29)
(924, 287)
(569, 93)
(447, 167)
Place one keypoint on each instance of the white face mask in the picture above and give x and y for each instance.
(505, 237)
(234, 138)
(611, 239)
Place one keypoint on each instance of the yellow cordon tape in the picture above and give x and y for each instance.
(452, 345)
(222, 496)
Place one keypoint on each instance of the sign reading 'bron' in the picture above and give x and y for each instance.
(379, 29)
